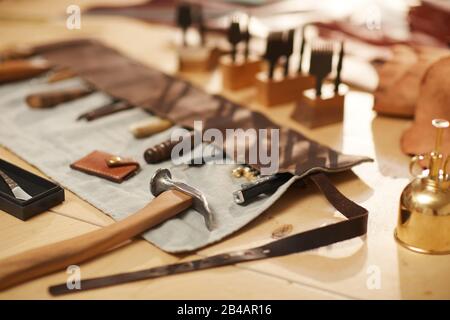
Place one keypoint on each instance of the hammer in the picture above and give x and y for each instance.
(171, 198)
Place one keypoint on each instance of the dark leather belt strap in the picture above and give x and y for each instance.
(355, 226)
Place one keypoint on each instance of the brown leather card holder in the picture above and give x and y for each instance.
(98, 163)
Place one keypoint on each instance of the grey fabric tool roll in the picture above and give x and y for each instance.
(52, 139)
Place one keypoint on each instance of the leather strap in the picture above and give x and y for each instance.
(354, 226)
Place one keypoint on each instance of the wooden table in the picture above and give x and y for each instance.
(374, 267)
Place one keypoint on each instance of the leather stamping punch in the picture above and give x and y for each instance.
(280, 86)
(197, 58)
(323, 105)
(239, 70)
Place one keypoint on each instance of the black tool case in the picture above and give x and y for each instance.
(45, 194)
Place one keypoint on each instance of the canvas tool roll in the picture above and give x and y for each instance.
(182, 103)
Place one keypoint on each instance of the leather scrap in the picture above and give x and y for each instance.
(433, 103)
(96, 164)
(400, 78)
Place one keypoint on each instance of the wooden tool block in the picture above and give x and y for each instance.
(240, 74)
(198, 59)
(315, 112)
(281, 90)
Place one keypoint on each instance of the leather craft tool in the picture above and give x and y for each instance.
(288, 49)
(110, 108)
(313, 111)
(424, 211)
(17, 191)
(49, 99)
(184, 19)
(149, 127)
(337, 80)
(195, 58)
(356, 225)
(325, 104)
(234, 36)
(302, 50)
(198, 10)
(263, 185)
(278, 88)
(171, 198)
(239, 71)
(15, 53)
(246, 37)
(274, 51)
(16, 70)
(321, 64)
(61, 74)
(162, 151)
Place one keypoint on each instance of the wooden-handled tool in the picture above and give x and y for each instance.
(288, 41)
(16, 70)
(184, 19)
(49, 99)
(61, 74)
(162, 151)
(234, 36)
(170, 199)
(274, 51)
(149, 127)
(321, 63)
(16, 52)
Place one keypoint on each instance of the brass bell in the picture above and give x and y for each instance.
(424, 215)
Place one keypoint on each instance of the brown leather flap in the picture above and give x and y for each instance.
(183, 103)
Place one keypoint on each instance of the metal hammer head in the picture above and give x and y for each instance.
(162, 181)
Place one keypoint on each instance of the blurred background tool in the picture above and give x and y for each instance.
(50, 99)
(16, 70)
(149, 127)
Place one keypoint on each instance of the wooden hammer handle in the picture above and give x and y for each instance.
(40, 261)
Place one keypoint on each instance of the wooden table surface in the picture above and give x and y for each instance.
(374, 267)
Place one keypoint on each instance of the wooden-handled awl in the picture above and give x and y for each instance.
(16, 70)
(50, 99)
(170, 199)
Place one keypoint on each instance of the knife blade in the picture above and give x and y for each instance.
(17, 191)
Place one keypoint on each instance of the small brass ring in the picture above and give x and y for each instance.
(415, 161)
